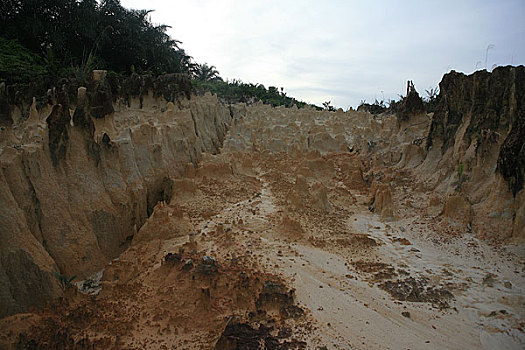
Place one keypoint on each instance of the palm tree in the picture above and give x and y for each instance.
(203, 72)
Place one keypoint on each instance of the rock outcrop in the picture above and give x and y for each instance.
(476, 141)
(81, 174)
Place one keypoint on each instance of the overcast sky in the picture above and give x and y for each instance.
(344, 51)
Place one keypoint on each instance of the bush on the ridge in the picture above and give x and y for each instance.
(18, 63)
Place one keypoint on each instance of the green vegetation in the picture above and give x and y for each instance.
(48, 40)
(461, 167)
(430, 103)
(461, 179)
(431, 100)
(327, 106)
(205, 73)
(18, 63)
(68, 33)
(377, 107)
(237, 91)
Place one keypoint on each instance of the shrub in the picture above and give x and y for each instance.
(18, 64)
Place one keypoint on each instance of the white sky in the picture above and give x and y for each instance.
(344, 51)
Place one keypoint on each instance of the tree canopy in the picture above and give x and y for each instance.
(236, 91)
(203, 72)
(53, 39)
(73, 33)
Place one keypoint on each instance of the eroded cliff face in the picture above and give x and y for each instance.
(78, 180)
(476, 148)
(81, 173)
(327, 204)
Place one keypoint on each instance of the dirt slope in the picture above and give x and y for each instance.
(75, 188)
(310, 229)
